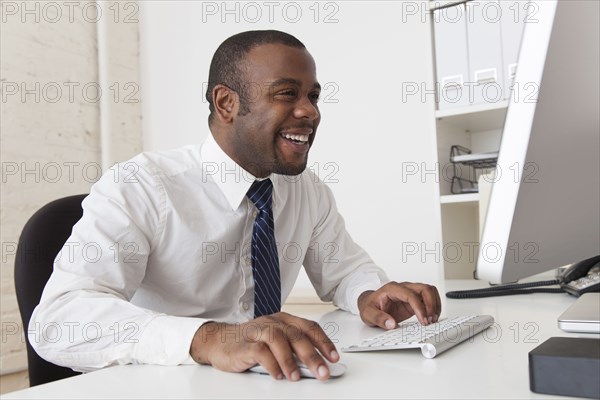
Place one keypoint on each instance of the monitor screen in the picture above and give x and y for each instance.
(544, 207)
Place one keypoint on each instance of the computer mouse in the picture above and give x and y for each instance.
(335, 369)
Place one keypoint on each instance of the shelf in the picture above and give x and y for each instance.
(470, 198)
(462, 155)
(477, 118)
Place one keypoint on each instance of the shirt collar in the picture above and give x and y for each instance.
(230, 178)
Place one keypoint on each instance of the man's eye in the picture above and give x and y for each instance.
(314, 97)
(288, 93)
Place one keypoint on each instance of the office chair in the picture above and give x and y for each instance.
(41, 239)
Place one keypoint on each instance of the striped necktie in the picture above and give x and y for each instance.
(265, 261)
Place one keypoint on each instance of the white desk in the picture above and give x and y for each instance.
(493, 365)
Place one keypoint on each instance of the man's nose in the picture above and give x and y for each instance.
(306, 109)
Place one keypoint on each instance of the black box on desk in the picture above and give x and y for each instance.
(566, 366)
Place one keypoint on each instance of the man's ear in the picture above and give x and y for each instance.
(226, 103)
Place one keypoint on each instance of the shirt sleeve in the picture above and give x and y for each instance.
(339, 269)
(85, 320)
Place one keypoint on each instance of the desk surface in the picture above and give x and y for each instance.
(491, 365)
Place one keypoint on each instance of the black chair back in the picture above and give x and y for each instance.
(42, 238)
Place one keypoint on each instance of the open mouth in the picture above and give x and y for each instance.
(295, 138)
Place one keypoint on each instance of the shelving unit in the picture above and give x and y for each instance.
(480, 131)
(477, 127)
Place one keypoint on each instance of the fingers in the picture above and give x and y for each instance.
(266, 358)
(395, 302)
(430, 299)
(280, 336)
(374, 316)
(313, 332)
(433, 302)
(310, 344)
(423, 299)
(285, 342)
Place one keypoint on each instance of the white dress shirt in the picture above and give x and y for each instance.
(164, 246)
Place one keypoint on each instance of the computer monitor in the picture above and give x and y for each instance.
(544, 207)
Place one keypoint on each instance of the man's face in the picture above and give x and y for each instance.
(282, 93)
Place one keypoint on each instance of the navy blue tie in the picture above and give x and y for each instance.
(265, 261)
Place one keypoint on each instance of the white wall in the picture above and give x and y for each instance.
(368, 135)
(53, 140)
(41, 131)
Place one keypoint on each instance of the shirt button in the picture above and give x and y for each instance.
(245, 306)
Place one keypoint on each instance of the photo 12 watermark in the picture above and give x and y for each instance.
(457, 93)
(253, 91)
(66, 172)
(457, 252)
(253, 12)
(492, 12)
(127, 252)
(68, 11)
(289, 252)
(73, 332)
(266, 329)
(425, 172)
(67, 91)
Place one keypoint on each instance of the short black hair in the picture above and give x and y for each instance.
(226, 67)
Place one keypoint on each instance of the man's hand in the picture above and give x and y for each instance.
(270, 341)
(395, 302)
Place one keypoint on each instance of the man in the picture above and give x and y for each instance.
(188, 262)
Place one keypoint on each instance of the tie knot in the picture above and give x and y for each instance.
(260, 194)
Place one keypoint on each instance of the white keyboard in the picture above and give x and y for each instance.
(433, 339)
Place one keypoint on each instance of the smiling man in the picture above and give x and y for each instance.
(192, 267)
(273, 95)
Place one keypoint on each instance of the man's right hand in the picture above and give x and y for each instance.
(270, 341)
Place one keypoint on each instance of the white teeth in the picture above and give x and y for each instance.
(299, 138)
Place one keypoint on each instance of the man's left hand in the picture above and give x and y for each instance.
(395, 302)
